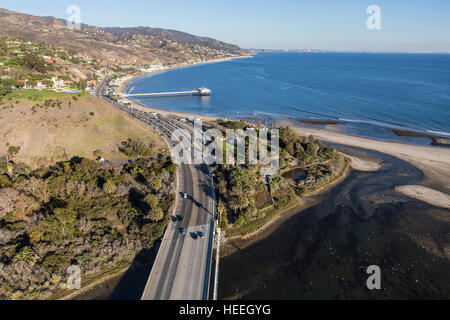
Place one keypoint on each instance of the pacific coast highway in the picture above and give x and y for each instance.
(182, 267)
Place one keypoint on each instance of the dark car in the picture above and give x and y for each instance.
(201, 234)
(180, 218)
(174, 219)
(194, 235)
(183, 231)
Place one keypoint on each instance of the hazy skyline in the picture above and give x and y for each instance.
(414, 25)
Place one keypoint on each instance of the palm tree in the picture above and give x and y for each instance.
(223, 219)
(234, 203)
(156, 184)
(221, 208)
(151, 200)
(156, 214)
(238, 203)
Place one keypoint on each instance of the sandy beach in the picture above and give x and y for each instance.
(169, 112)
(425, 194)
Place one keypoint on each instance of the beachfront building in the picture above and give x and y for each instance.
(152, 68)
(253, 127)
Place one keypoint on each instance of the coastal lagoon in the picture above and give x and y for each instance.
(366, 93)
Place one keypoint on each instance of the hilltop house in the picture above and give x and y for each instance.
(57, 83)
(90, 85)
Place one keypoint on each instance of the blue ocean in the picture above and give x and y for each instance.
(370, 93)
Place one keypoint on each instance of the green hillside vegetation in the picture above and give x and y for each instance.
(78, 212)
(246, 203)
(37, 96)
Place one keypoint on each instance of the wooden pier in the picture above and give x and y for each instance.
(202, 92)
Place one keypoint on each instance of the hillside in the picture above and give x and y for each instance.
(63, 127)
(96, 216)
(173, 35)
(59, 207)
(114, 47)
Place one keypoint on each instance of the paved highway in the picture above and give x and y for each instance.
(183, 265)
(182, 268)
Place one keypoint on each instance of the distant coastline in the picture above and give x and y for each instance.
(346, 51)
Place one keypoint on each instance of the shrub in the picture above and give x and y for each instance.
(13, 151)
(5, 182)
(109, 187)
(32, 61)
(57, 262)
(61, 225)
(241, 220)
(152, 201)
(156, 214)
(134, 148)
(26, 254)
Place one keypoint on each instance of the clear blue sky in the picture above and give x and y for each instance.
(407, 25)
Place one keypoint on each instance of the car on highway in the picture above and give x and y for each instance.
(185, 196)
(194, 236)
(183, 231)
(180, 218)
(201, 234)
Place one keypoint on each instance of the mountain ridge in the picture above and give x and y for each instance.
(115, 46)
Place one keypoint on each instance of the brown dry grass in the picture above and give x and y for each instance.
(53, 134)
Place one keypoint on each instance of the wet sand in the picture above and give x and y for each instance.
(437, 141)
(425, 194)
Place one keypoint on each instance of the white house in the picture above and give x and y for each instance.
(57, 83)
(40, 85)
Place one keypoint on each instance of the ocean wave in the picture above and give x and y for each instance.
(129, 90)
(439, 133)
(392, 126)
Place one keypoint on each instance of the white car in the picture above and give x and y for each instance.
(185, 196)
